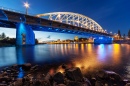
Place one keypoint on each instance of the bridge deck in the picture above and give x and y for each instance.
(41, 24)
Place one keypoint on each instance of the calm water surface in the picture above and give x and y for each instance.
(115, 57)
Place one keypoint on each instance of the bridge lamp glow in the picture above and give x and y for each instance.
(26, 5)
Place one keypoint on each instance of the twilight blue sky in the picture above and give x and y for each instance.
(110, 14)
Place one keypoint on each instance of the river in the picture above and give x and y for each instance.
(115, 57)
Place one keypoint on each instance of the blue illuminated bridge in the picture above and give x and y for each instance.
(62, 22)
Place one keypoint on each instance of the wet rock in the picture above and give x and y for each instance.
(98, 83)
(74, 74)
(110, 78)
(128, 84)
(74, 83)
(34, 68)
(18, 82)
(58, 78)
(26, 66)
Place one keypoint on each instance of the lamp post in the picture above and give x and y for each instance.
(26, 5)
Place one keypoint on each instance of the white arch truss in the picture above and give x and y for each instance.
(75, 19)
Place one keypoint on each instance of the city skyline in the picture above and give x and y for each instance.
(111, 15)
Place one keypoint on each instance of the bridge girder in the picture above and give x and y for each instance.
(75, 19)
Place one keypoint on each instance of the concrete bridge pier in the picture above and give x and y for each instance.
(24, 34)
(103, 40)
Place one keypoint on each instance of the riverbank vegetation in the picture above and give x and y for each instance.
(7, 41)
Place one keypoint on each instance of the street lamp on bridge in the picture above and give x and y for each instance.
(26, 5)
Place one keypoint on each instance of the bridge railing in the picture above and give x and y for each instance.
(13, 10)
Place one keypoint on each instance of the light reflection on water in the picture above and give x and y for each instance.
(7, 56)
(114, 57)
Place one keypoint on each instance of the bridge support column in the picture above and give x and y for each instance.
(24, 35)
(103, 40)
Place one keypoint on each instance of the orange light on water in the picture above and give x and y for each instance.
(76, 48)
(82, 48)
(116, 53)
(89, 48)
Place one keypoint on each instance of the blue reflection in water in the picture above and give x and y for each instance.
(25, 54)
(7, 56)
(19, 53)
(110, 47)
(21, 73)
(101, 52)
(20, 59)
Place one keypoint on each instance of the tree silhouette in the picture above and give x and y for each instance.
(124, 36)
(119, 33)
(3, 35)
(129, 34)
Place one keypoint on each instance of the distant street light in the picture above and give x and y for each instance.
(26, 4)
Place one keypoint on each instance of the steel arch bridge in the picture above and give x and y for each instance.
(74, 19)
(62, 22)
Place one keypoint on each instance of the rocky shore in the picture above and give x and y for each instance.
(64, 75)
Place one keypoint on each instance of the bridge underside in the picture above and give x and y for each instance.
(25, 25)
(26, 36)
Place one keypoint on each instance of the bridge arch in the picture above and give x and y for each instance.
(75, 19)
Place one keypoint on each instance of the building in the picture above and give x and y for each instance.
(76, 38)
(58, 41)
(91, 40)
